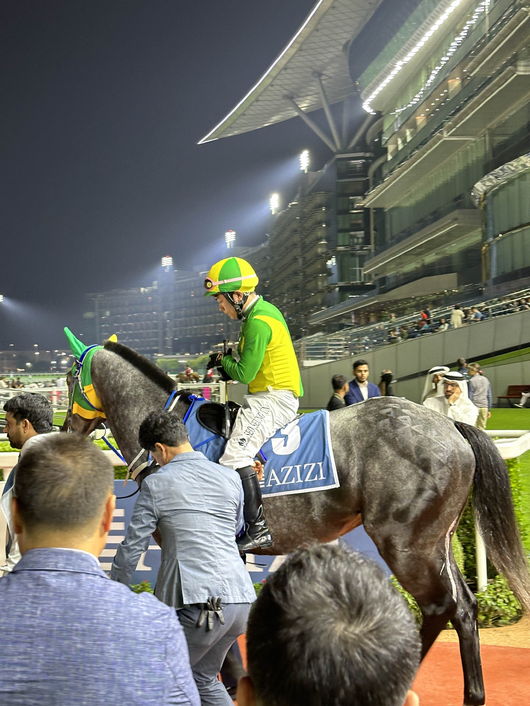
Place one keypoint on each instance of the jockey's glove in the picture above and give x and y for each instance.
(215, 361)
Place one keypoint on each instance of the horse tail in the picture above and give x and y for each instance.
(492, 499)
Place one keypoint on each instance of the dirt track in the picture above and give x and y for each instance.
(516, 635)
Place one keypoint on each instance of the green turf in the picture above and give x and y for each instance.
(512, 357)
(509, 418)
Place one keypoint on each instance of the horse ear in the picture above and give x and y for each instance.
(76, 346)
(113, 338)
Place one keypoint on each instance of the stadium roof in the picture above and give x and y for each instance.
(310, 71)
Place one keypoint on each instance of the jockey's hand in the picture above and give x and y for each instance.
(214, 360)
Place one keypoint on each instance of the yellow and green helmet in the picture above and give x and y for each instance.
(233, 274)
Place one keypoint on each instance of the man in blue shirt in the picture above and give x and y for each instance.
(69, 634)
(196, 507)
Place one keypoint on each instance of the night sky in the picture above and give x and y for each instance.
(103, 102)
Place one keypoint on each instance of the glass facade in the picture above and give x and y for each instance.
(480, 45)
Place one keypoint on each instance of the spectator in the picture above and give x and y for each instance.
(403, 332)
(476, 315)
(359, 388)
(92, 641)
(340, 388)
(457, 316)
(329, 628)
(524, 398)
(425, 315)
(393, 336)
(462, 366)
(433, 379)
(27, 416)
(208, 375)
(454, 402)
(443, 325)
(480, 394)
(385, 384)
(197, 508)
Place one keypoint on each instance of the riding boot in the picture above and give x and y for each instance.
(257, 535)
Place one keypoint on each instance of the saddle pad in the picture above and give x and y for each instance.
(299, 457)
(210, 444)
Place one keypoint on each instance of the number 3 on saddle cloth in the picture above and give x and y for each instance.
(298, 458)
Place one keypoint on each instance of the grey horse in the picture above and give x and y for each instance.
(405, 473)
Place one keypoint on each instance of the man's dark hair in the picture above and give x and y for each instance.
(359, 362)
(329, 628)
(338, 382)
(33, 407)
(62, 482)
(161, 428)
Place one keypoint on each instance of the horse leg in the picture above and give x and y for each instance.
(465, 624)
(463, 616)
(432, 577)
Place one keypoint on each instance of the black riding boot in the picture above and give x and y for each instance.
(257, 535)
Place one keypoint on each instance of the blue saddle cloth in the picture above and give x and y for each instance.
(298, 458)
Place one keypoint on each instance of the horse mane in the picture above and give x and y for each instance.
(149, 369)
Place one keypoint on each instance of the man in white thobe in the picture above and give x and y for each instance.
(454, 401)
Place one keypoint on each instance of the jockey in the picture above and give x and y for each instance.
(267, 363)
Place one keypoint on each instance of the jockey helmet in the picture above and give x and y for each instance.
(233, 274)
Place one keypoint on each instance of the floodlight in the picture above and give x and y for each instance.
(305, 161)
(230, 238)
(274, 203)
(167, 261)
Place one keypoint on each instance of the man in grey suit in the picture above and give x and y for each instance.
(69, 634)
(197, 508)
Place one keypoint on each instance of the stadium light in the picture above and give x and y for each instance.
(305, 161)
(274, 203)
(167, 261)
(230, 238)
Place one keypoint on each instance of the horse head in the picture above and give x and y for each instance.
(85, 412)
(113, 384)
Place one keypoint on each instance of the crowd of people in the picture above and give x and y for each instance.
(465, 395)
(456, 317)
(393, 328)
(7, 383)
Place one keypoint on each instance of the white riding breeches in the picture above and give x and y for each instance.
(260, 416)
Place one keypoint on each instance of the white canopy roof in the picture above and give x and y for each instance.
(317, 49)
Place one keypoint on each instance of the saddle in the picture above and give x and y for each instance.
(218, 418)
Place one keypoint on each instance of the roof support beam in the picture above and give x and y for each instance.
(312, 125)
(360, 132)
(327, 111)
